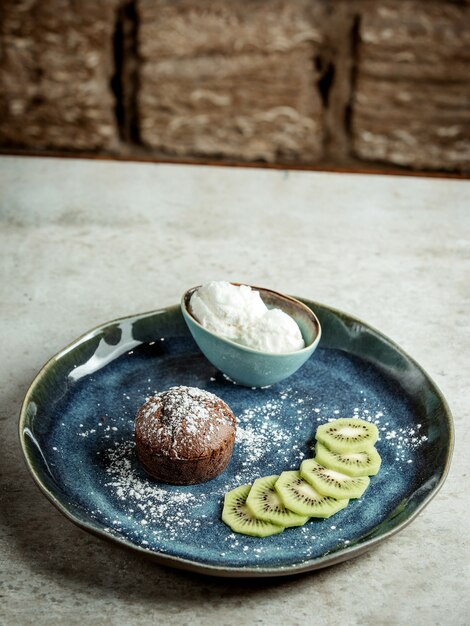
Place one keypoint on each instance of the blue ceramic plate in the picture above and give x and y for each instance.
(76, 431)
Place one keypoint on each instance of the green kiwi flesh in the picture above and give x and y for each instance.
(332, 483)
(348, 435)
(237, 515)
(264, 503)
(299, 496)
(363, 463)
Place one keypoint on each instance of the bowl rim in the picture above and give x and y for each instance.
(310, 314)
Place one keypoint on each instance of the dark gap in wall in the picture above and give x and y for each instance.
(133, 70)
(325, 73)
(325, 82)
(117, 85)
(355, 34)
(126, 71)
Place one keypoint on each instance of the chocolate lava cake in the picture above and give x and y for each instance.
(184, 435)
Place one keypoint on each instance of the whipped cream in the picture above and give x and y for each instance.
(239, 314)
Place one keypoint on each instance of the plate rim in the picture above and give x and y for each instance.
(162, 558)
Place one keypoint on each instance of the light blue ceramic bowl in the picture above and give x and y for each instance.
(247, 366)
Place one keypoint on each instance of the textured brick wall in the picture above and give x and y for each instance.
(218, 79)
(56, 62)
(411, 102)
(350, 83)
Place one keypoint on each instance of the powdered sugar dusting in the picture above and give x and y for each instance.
(275, 432)
(184, 422)
(264, 445)
(146, 502)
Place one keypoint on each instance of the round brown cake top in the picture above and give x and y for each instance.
(184, 423)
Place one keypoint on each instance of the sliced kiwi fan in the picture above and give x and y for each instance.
(345, 457)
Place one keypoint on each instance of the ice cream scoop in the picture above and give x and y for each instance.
(238, 312)
(251, 366)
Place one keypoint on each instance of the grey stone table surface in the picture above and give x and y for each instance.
(82, 242)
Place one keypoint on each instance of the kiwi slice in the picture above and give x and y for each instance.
(363, 463)
(332, 483)
(264, 502)
(299, 496)
(237, 515)
(348, 435)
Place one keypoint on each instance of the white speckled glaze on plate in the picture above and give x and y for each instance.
(76, 430)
